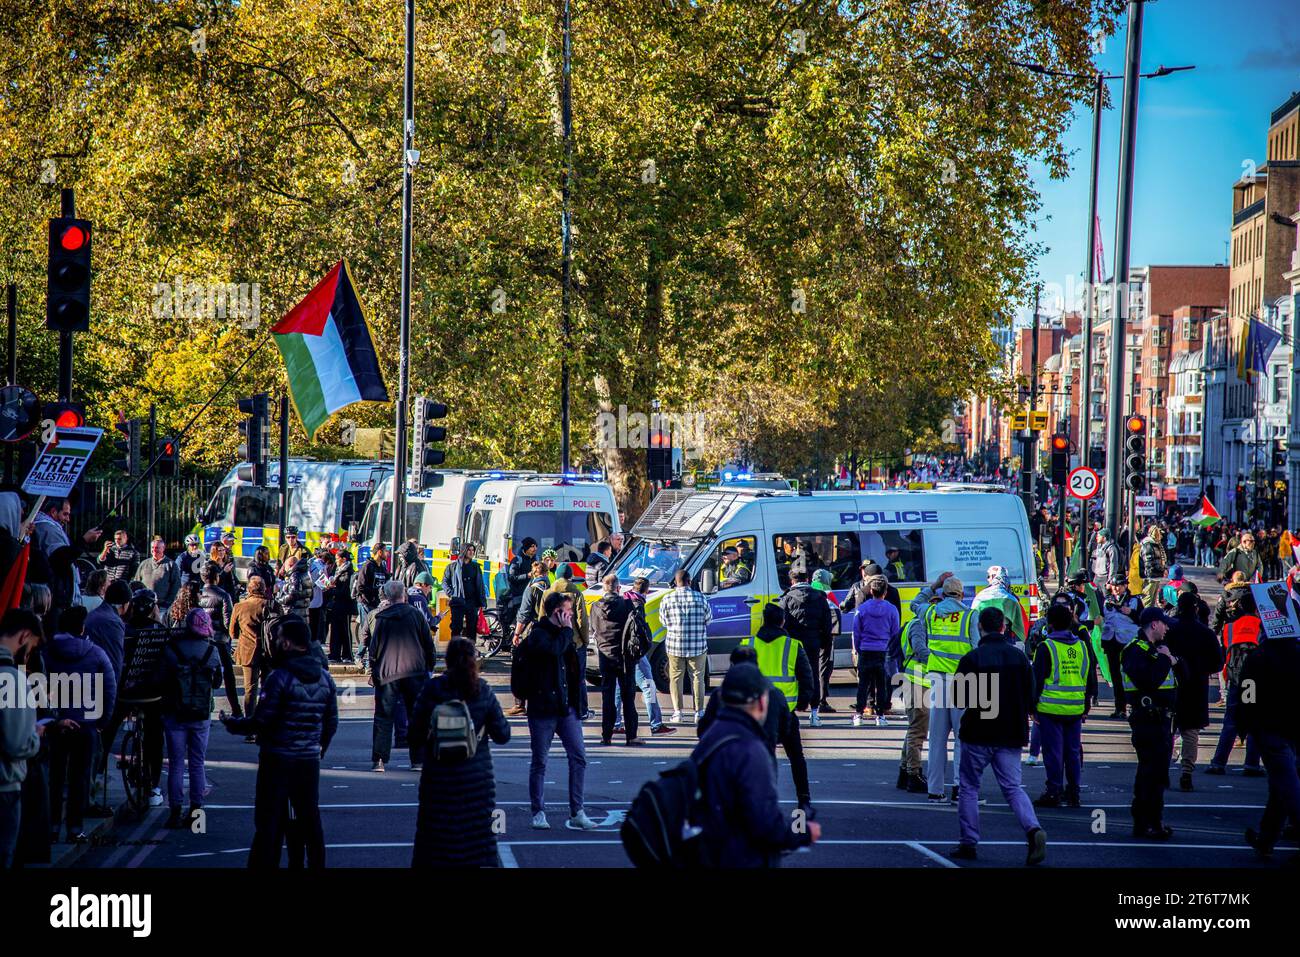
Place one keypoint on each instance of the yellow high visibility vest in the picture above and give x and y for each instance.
(1170, 682)
(913, 671)
(777, 660)
(949, 638)
(1067, 684)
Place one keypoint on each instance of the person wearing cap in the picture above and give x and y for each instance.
(947, 632)
(296, 717)
(1065, 684)
(160, 575)
(895, 569)
(1082, 597)
(551, 561)
(187, 665)
(1105, 563)
(1169, 590)
(1119, 623)
(418, 596)
(999, 595)
(291, 546)
(191, 561)
(994, 729)
(462, 583)
(733, 572)
(518, 574)
(742, 824)
(860, 593)
(1150, 676)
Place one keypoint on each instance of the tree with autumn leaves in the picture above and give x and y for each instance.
(799, 218)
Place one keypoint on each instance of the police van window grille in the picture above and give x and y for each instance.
(899, 552)
(681, 513)
(838, 552)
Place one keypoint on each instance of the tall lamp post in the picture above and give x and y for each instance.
(409, 158)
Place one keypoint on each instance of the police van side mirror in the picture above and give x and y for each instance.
(201, 517)
(709, 581)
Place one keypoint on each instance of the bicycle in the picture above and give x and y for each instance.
(137, 781)
(491, 637)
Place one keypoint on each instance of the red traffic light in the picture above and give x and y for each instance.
(168, 449)
(1060, 443)
(1135, 424)
(69, 419)
(73, 238)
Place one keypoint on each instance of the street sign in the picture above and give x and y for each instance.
(57, 468)
(1144, 505)
(1083, 482)
(1038, 421)
(20, 411)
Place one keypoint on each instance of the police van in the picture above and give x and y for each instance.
(435, 517)
(325, 498)
(913, 535)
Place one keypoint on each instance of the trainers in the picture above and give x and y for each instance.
(1031, 760)
(881, 721)
(935, 798)
(1216, 769)
(827, 709)
(676, 718)
(155, 797)
(516, 711)
(618, 727)
(1253, 772)
(1185, 781)
(664, 729)
(635, 742)
(539, 821)
(417, 768)
(580, 822)
(857, 720)
(916, 784)
(963, 852)
(699, 716)
(377, 766)
(1037, 841)
(814, 720)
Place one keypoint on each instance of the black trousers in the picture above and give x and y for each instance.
(464, 620)
(813, 649)
(228, 674)
(827, 650)
(1113, 650)
(1153, 740)
(1278, 754)
(387, 697)
(611, 677)
(287, 803)
(793, 746)
(872, 681)
(340, 643)
(72, 755)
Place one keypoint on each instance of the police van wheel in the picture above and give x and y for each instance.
(659, 667)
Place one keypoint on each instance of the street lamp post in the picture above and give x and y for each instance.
(409, 159)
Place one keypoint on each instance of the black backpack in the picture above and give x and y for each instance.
(193, 687)
(637, 640)
(1237, 656)
(660, 829)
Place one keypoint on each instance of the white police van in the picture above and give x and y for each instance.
(913, 535)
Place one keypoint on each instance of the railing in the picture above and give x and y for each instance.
(178, 501)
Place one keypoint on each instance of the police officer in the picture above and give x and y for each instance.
(1151, 686)
(1065, 681)
(916, 690)
(1130, 606)
(784, 662)
(734, 571)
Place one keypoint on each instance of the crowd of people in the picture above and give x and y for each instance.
(974, 678)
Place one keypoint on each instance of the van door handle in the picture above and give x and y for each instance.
(751, 600)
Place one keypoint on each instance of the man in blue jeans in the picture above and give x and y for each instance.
(997, 685)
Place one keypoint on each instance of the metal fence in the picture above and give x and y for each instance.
(177, 503)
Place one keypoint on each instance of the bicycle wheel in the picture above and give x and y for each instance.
(490, 643)
(135, 776)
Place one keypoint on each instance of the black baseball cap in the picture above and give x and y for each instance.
(1152, 615)
(743, 684)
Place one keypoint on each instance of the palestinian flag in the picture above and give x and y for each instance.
(328, 351)
(1206, 515)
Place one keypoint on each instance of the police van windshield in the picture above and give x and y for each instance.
(570, 533)
(657, 561)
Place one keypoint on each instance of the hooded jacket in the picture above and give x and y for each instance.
(297, 711)
(105, 627)
(875, 625)
(998, 594)
(87, 664)
(808, 616)
(1001, 669)
(401, 645)
(195, 649)
(609, 615)
(18, 738)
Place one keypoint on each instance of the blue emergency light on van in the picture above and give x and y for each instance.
(911, 517)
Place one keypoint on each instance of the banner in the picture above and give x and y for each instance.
(57, 469)
(1277, 610)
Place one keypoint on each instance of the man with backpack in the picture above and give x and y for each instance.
(188, 669)
(295, 720)
(1241, 635)
(741, 821)
(609, 625)
(808, 619)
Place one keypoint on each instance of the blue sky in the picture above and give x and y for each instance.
(1195, 130)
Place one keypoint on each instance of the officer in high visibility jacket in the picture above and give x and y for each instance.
(1065, 683)
(784, 663)
(1150, 676)
(916, 688)
(949, 631)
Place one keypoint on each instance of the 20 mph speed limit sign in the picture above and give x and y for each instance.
(1082, 482)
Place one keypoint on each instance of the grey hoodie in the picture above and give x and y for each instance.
(18, 739)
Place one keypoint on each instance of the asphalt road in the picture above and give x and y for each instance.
(369, 818)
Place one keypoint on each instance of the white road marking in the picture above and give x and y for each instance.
(933, 855)
(507, 856)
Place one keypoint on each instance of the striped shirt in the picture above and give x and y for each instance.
(685, 615)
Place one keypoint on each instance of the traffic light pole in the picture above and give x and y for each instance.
(404, 348)
(1120, 305)
(11, 365)
(284, 465)
(1089, 306)
(68, 210)
(1028, 450)
(153, 492)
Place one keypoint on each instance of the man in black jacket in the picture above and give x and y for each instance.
(742, 821)
(217, 602)
(1194, 643)
(808, 620)
(609, 618)
(518, 572)
(998, 686)
(402, 655)
(296, 717)
(1148, 671)
(1272, 673)
(462, 583)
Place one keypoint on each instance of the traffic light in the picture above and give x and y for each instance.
(1060, 458)
(128, 446)
(67, 294)
(167, 452)
(1135, 453)
(659, 457)
(425, 454)
(256, 430)
(66, 415)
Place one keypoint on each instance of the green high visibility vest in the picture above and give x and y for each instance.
(1067, 684)
(949, 638)
(1170, 682)
(777, 660)
(913, 671)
